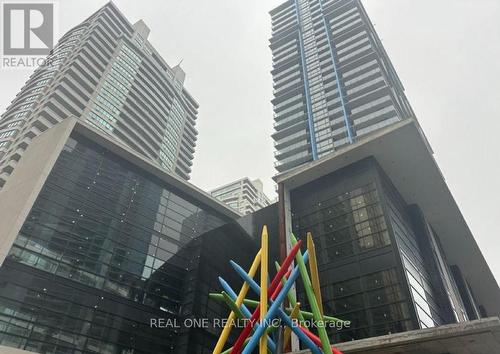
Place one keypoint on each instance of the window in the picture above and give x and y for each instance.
(7, 133)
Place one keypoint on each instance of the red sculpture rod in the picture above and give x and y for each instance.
(316, 339)
(275, 283)
(308, 333)
(311, 335)
(255, 316)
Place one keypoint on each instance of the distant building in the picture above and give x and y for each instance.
(104, 71)
(243, 195)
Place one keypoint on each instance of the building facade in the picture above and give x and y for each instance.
(333, 81)
(96, 241)
(243, 195)
(239, 240)
(105, 72)
(394, 252)
(103, 242)
(362, 227)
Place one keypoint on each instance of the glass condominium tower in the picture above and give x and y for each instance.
(105, 72)
(333, 80)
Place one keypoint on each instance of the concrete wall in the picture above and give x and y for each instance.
(474, 337)
(8, 350)
(21, 190)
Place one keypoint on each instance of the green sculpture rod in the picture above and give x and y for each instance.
(325, 342)
(253, 303)
(232, 305)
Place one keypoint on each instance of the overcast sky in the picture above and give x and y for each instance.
(446, 52)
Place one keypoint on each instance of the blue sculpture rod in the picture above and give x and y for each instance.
(276, 309)
(244, 309)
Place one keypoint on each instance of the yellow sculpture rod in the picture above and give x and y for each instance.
(288, 330)
(313, 267)
(239, 300)
(263, 285)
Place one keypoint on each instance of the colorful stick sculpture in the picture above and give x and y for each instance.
(270, 307)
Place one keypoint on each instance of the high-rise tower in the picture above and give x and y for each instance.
(333, 81)
(105, 72)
